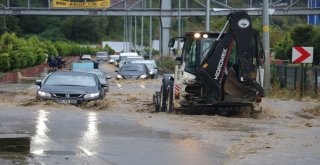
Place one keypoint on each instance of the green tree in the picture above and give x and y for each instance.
(83, 29)
(302, 35)
(283, 47)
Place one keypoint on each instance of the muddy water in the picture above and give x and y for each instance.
(283, 133)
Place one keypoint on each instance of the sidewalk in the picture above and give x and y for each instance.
(13, 76)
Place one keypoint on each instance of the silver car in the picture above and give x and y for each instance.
(102, 56)
(151, 65)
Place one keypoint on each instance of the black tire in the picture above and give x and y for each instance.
(169, 98)
(164, 92)
(156, 103)
(162, 103)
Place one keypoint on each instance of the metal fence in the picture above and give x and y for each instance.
(298, 78)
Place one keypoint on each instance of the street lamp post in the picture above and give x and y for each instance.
(266, 45)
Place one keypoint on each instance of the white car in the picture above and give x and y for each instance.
(113, 58)
(86, 57)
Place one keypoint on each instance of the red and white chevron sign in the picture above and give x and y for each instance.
(177, 90)
(302, 54)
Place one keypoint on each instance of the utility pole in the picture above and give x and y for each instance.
(179, 23)
(141, 41)
(150, 34)
(207, 28)
(266, 45)
(135, 33)
(179, 19)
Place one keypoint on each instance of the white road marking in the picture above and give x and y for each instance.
(85, 151)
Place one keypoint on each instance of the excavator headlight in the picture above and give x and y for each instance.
(205, 36)
(197, 35)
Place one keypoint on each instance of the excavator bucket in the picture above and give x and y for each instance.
(234, 88)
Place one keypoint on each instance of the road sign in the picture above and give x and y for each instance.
(302, 54)
(72, 4)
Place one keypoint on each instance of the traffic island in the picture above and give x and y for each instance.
(15, 143)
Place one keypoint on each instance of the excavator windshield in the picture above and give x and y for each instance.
(195, 49)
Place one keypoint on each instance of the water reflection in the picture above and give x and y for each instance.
(90, 135)
(40, 139)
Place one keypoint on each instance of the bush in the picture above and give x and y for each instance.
(4, 62)
(17, 53)
(167, 63)
(108, 49)
(16, 61)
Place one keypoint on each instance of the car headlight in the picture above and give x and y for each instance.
(42, 94)
(143, 76)
(119, 76)
(150, 72)
(91, 95)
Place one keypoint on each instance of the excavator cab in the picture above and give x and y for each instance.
(195, 48)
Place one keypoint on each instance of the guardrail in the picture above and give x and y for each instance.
(298, 78)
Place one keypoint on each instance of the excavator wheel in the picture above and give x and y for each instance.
(156, 100)
(162, 103)
(166, 94)
(169, 106)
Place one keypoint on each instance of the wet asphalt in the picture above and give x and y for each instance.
(70, 135)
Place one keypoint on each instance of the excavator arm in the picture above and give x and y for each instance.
(237, 80)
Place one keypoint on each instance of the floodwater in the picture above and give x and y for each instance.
(73, 136)
(124, 129)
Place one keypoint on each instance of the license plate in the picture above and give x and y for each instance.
(67, 101)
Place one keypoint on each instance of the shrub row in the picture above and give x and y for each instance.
(18, 53)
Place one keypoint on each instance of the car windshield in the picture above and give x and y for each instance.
(99, 74)
(132, 68)
(149, 65)
(71, 80)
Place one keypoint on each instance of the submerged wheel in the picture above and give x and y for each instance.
(155, 101)
(166, 94)
(162, 104)
(168, 100)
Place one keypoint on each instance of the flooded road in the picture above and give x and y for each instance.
(73, 136)
(124, 129)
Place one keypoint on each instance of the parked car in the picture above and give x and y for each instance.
(70, 87)
(151, 65)
(133, 71)
(113, 58)
(102, 56)
(103, 77)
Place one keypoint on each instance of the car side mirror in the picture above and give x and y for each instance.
(38, 82)
(116, 71)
